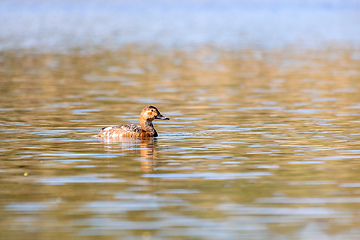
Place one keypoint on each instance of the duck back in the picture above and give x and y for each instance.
(129, 130)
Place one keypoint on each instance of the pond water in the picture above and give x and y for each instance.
(262, 143)
(257, 146)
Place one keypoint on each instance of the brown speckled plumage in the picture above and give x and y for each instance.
(144, 130)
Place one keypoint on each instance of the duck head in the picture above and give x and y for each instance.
(150, 113)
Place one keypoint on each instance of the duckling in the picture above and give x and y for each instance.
(144, 130)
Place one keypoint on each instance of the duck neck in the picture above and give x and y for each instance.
(147, 126)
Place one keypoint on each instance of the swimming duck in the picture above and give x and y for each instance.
(145, 130)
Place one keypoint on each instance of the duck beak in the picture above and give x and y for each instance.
(160, 116)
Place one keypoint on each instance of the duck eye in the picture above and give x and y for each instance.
(152, 110)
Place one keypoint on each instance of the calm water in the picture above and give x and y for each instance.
(263, 143)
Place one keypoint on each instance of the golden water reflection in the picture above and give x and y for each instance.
(262, 144)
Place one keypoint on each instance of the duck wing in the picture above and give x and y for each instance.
(129, 130)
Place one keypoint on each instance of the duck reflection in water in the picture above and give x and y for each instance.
(147, 147)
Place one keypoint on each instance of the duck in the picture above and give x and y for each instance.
(144, 130)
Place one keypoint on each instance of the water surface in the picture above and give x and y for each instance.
(258, 146)
(263, 141)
